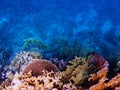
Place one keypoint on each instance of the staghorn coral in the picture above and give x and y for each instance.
(22, 59)
(38, 65)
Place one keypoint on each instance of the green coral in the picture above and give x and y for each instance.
(33, 44)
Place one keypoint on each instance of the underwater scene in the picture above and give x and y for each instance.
(59, 45)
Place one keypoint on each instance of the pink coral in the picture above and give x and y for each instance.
(97, 60)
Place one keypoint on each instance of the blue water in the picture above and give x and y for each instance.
(59, 28)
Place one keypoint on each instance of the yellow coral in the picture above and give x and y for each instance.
(77, 71)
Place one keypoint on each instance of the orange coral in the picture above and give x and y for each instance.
(101, 78)
(38, 65)
(47, 81)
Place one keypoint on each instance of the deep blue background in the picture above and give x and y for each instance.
(61, 28)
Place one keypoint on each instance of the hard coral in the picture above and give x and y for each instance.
(61, 64)
(38, 65)
(100, 76)
(111, 85)
(46, 81)
(97, 60)
(100, 79)
(22, 59)
(77, 71)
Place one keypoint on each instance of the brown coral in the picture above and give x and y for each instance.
(38, 65)
(77, 71)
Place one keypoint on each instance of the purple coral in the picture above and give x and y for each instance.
(61, 64)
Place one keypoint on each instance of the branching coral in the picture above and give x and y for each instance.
(101, 78)
(37, 66)
(102, 82)
(48, 81)
(77, 71)
(80, 68)
(80, 74)
(22, 59)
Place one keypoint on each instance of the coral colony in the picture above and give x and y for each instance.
(59, 44)
(34, 73)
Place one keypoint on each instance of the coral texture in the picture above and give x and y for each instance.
(22, 59)
(61, 64)
(80, 68)
(38, 65)
(80, 74)
(76, 71)
(101, 77)
(48, 81)
(97, 60)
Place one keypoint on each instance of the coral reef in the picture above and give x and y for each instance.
(80, 74)
(33, 44)
(38, 65)
(17, 64)
(61, 64)
(80, 68)
(101, 78)
(47, 81)
(97, 60)
(77, 71)
(22, 59)
(5, 73)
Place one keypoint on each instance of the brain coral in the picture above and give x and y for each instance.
(37, 66)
